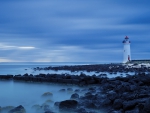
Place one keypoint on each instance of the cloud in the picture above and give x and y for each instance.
(70, 30)
(10, 47)
(6, 60)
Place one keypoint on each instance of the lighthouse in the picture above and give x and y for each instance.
(126, 51)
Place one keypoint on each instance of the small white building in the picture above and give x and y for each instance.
(126, 51)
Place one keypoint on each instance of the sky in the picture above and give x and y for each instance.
(73, 30)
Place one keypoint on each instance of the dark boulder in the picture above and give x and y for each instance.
(147, 106)
(81, 110)
(68, 105)
(133, 111)
(77, 90)
(112, 95)
(48, 112)
(129, 105)
(116, 111)
(117, 104)
(56, 104)
(75, 96)
(89, 96)
(92, 89)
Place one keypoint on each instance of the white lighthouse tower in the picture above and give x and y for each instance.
(126, 51)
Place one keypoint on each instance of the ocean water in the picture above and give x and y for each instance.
(28, 94)
(27, 67)
(15, 93)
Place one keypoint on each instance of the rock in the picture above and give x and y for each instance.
(68, 105)
(46, 107)
(69, 89)
(106, 102)
(114, 111)
(48, 112)
(117, 104)
(129, 105)
(81, 110)
(92, 89)
(62, 90)
(75, 96)
(90, 105)
(77, 90)
(147, 106)
(136, 110)
(112, 95)
(47, 94)
(56, 104)
(18, 109)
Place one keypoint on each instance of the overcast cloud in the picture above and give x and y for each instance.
(73, 30)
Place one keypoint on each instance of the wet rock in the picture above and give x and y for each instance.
(92, 89)
(62, 90)
(77, 90)
(114, 111)
(112, 95)
(68, 105)
(106, 102)
(90, 105)
(129, 105)
(18, 109)
(133, 111)
(48, 112)
(75, 96)
(56, 104)
(47, 94)
(117, 104)
(146, 108)
(45, 107)
(81, 110)
(69, 89)
(88, 95)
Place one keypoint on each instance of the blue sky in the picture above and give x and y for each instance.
(73, 30)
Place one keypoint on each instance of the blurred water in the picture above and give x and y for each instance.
(29, 94)
(27, 67)
(22, 68)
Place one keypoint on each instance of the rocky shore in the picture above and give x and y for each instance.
(128, 94)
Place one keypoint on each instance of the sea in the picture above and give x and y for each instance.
(29, 94)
